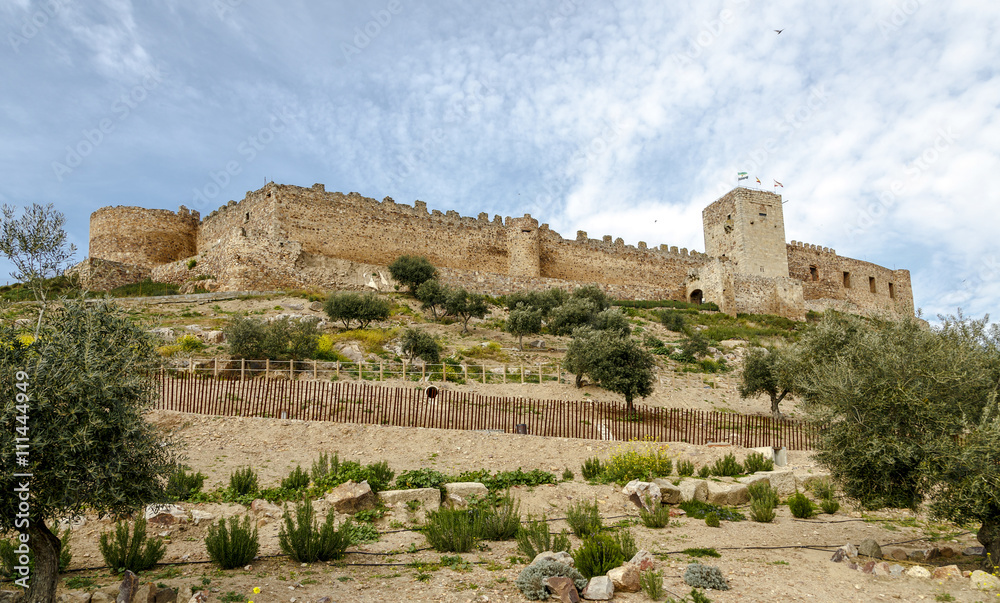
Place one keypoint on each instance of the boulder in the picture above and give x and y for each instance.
(805, 481)
(895, 569)
(753, 479)
(316, 306)
(643, 491)
(881, 569)
(198, 516)
(429, 498)
(101, 597)
(625, 578)
(974, 551)
(458, 494)
(560, 556)
(693, 489)
(845, 552)
(261, 508)
(897, 554)
(164, 333)
(643, 560)
(563, 589)
(918, 571)
(599, 588)
(351, 497)
(721, 493)
(870, 548)
(75, 596)
(213, 337)
(146, 593)
(165, 595)
(984, 581)
(165, 515)
(782, 480)
(198, 597)
(946, 572)
(128, 588)
(669, 493)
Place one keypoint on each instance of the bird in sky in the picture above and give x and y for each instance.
(778, 31)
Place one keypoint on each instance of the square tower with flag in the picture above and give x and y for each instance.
(747, 227)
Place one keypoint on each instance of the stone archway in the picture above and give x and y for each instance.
(696, 297)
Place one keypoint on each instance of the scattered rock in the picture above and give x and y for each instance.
(643, 560)
(669, 493)
(868, 567)
(895, 569)
(782, 480)
(198, 516)
(756, 477)
(429, 498)
(881, 569)
(563, 589)
(99, 597)
(261, 507)
(128, 588)
(184, 594)
(316, 306)
(974, 551)
(146, 593)
(165, 515)
(625, 578)
(643, 490)
(599, 588)
(845, 552)
(984, 581)
(351, 497)
(213, 337)
(916, 556)
(198, 597)
(946, 572)
(459, 493)
(561, 557)
(296, 307)
(897, 554)
(947, 552)
(537, 344)
(870, 548)
(693, 489)
(165, 595)
(164, 333)
(74, 596)
(918, 571)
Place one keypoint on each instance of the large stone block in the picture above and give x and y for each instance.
(693, 489)
(669, 493)
(782, 480)
(459, 494)
(721, 493)
(429, 498)
(351, 497)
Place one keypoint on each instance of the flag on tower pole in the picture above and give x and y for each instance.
(758, 180)
(741, 176)
(777, 184)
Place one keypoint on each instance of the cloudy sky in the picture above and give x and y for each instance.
(880, 118)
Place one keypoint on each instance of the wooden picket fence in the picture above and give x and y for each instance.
(360, 402)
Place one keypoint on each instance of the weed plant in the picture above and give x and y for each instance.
(685, 468)
(757, 462)
(243, 482)
(651, 582)
(761, 510)
(306, 541)
(704, 471)
(823, 489)
(421, 478)
(800, 506)
(699, 510)
(450, 530)
(657, 515)
(829, 505)
(232, 546)
(727, 466)
(592, 468)
(534, 537)
(598, 554)
(764, 492)
(630, 464)
(626, 543)
(531, 580)
(181, 485)
(499, 521)
(712, 520)
(296, 480)
(584, 518)
(130, 549)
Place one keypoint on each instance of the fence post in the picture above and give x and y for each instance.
(243, 368)
(444, 372)
(423, 371)
(522, 373)
(215, 367)
(540, 373)
(267, 367)
(558, 373)
(404, 369)
(465, 371)
(291, 370)
(380, 373)
(314, 370)
(505, 373)
(338, 370)
(483, 366)
(191, 360)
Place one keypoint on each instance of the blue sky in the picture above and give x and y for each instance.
(623, 118)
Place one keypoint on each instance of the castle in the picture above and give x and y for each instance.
(282, 237)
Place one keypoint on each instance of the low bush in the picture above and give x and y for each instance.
(651, 582)
(420, 344)
(829, 505)
(502, 480)
(362, 533)
(699, 510)
(584, 518)
(705, 576)
(130, 549)
(296, 480)
(800, 506)
(757, 462)
(626, 542)
(243, 482)
(592, 468)
(704, 471)
(712, 520)
(764, 492)
(306, 541)
(685, 468)
(727, 466)
(761, 510)
(657, 515)
(349, 306)
(499, 521)
(531, 580)
(598, 554)
(378, 475)
(627, 465)
(232, 546)
(421, 478)
(324, 466)
(181, 484)
(450, 530)
(823, 489)
(533, 537)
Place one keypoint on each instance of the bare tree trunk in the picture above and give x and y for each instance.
(775, 401)
(989, 537)
(46, 546)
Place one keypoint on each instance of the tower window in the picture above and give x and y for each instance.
(813, 273)
(871, 284)
(892, 291)
(847, 280)
(762, 215)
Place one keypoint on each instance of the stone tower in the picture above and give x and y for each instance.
(746, 227)
(523, 246)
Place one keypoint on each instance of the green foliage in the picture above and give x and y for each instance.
(362, 533)
(626, 543)
(502, 480)
(702, 552)
(421, 478)
(296, 480)
(243, 482)
(232, 546)
(699, 510)
(130, 549)
(829, 505)
(657, 515)
(693, 347)
(433, 296)
(523, 321)
(761, 510)
(651, 582)
(544, 301)
(672, 320)
(575, 313)
(378, 475)
(624, 367)
(712, 520)
(450, 530)
(763, 491)
(411, 271)
(584, 518)
(181, 484)
(599, 554)
(727, 466)
(755, 462)
(567, 475)
(466, 305)
(592, 468)
(705, 576)
(800, 506)
(282, 339)
(420, 344)
(594, 294)
(770, 372)
(704, 471)
(823, 488)
(685, 468)
(305, 541)
(145, 288)
(499, 521)
(349, 306)
(531, 580)
(324, 466)
(534, 537)
(613, 321)
(630, 464)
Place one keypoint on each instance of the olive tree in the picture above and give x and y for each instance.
(363, 307)
(77, 396)
(523, 321)
(466, 305)
(768, 372)
(624, 367)
(411, 271)
(433, 295)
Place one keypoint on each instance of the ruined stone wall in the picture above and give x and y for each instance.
(142, 237)
(862, 285)
(747, 226)
(103, 275)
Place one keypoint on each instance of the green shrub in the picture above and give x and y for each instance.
(626, 543)
(823, 489)
(727, 466)
(349, 306)
(411, 271)
(531, 580)
(499, 521)
(584, 518)
(130, 550)
(704, 471)
(243, 482)
(421, 478)
(450, 530)
(379, 475)
(699, 510)
(712, 520)
(234, 546)
(305, 541)
(568, 475)
(651, 582)
(685, 468)
(761, 510)
(533, 537)
(598, 554)
(420, 344)
(362, 532)
(757, 462)
(324, 466)
(296, 480)
(181, 484)
(658, 515)
(281, 339)
(764, 492)
(629, 465)
(705, 576)
(502, 480)
(829, 505)
(592, 468)
(800, 506)
(672, 320)
(192, 263)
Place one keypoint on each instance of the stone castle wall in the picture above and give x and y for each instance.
(143, 237)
